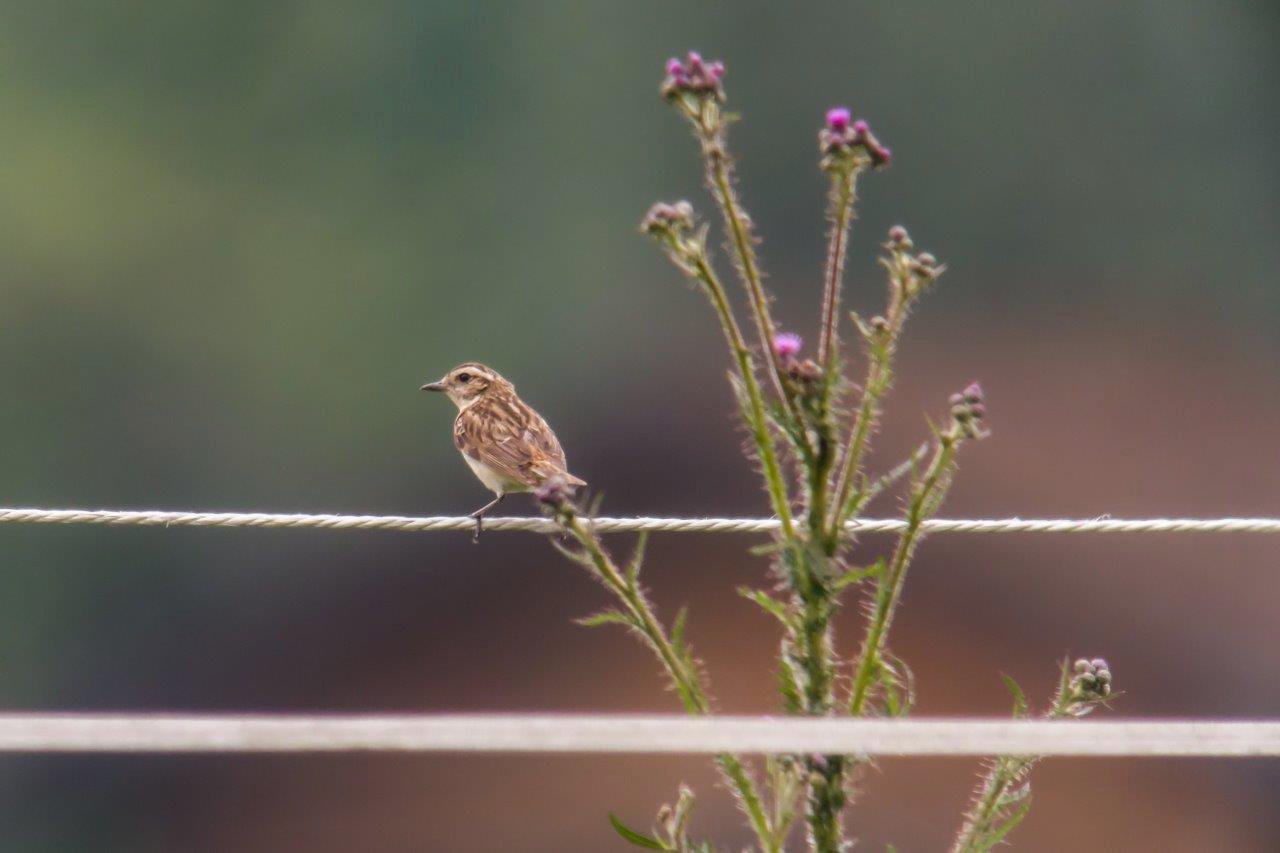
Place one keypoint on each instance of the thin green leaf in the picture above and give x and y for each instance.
(577, 556)
(893, 475)
(789, 688)
(858, 575)
(898, 684)
(995, 837)
(677, 630)
(637, 557)
(863, 328)
(639, 839)
(1019, 698)
(765, 550)
(767, 602)
(606, 617)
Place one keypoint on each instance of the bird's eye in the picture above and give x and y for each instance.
(464, 377)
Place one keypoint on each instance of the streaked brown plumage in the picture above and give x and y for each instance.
(507, 444)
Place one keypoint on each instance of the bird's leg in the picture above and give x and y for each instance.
(478, 515)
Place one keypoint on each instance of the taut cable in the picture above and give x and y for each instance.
(442, 523)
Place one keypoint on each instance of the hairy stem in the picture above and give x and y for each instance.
(880, 349)
(840, 211)
(722, 190)
(758, 425)
(1005, 772)
(999, 804)
(709, 126)
(925, 498)
(687, 681)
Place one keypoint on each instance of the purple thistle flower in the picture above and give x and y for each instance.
(973, 393)
(674, 68)
(861, 128)
(695, 62)
(716, 70)
(787, 344)
(838, 119)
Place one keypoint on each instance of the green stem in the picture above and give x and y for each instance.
(815, 601)
(774, 480)
(1004, 772)
(718, 175)
(709, 127)
(983, 820)
(843, 185)
(879, 373)
(879, 377)
(687, 681)
(925, 497)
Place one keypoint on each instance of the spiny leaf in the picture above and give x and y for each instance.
(677, 631)
(770, 604)
(765, 550)
(637, 557)
(898, 683)
(995, 837)
(639, 839)
(863, 328)
(577, 556)
(606, 617)
(1019, 698)
(788, 687)
(893, 475)
(858, 575)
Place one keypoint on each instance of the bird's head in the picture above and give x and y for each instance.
(467, 383)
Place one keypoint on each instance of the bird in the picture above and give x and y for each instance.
(508, 445)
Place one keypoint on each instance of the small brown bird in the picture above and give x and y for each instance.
(507, 444)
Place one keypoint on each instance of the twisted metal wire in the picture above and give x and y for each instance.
(441, 523)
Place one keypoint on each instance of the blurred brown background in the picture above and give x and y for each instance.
(236, 237)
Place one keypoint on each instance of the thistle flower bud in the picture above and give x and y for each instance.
(968, 410)
(786, 344)
(846, 146)
(1090, 684)
(663, 217)
(913, 273)
(806, 371)
(694, 76)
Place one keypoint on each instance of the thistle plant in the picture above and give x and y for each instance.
(810, 431)
(1003, 796)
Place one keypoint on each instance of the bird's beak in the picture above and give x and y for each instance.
(434, 386)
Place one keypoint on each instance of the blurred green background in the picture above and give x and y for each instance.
(235, 237)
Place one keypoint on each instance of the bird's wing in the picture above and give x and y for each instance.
(511, 439)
